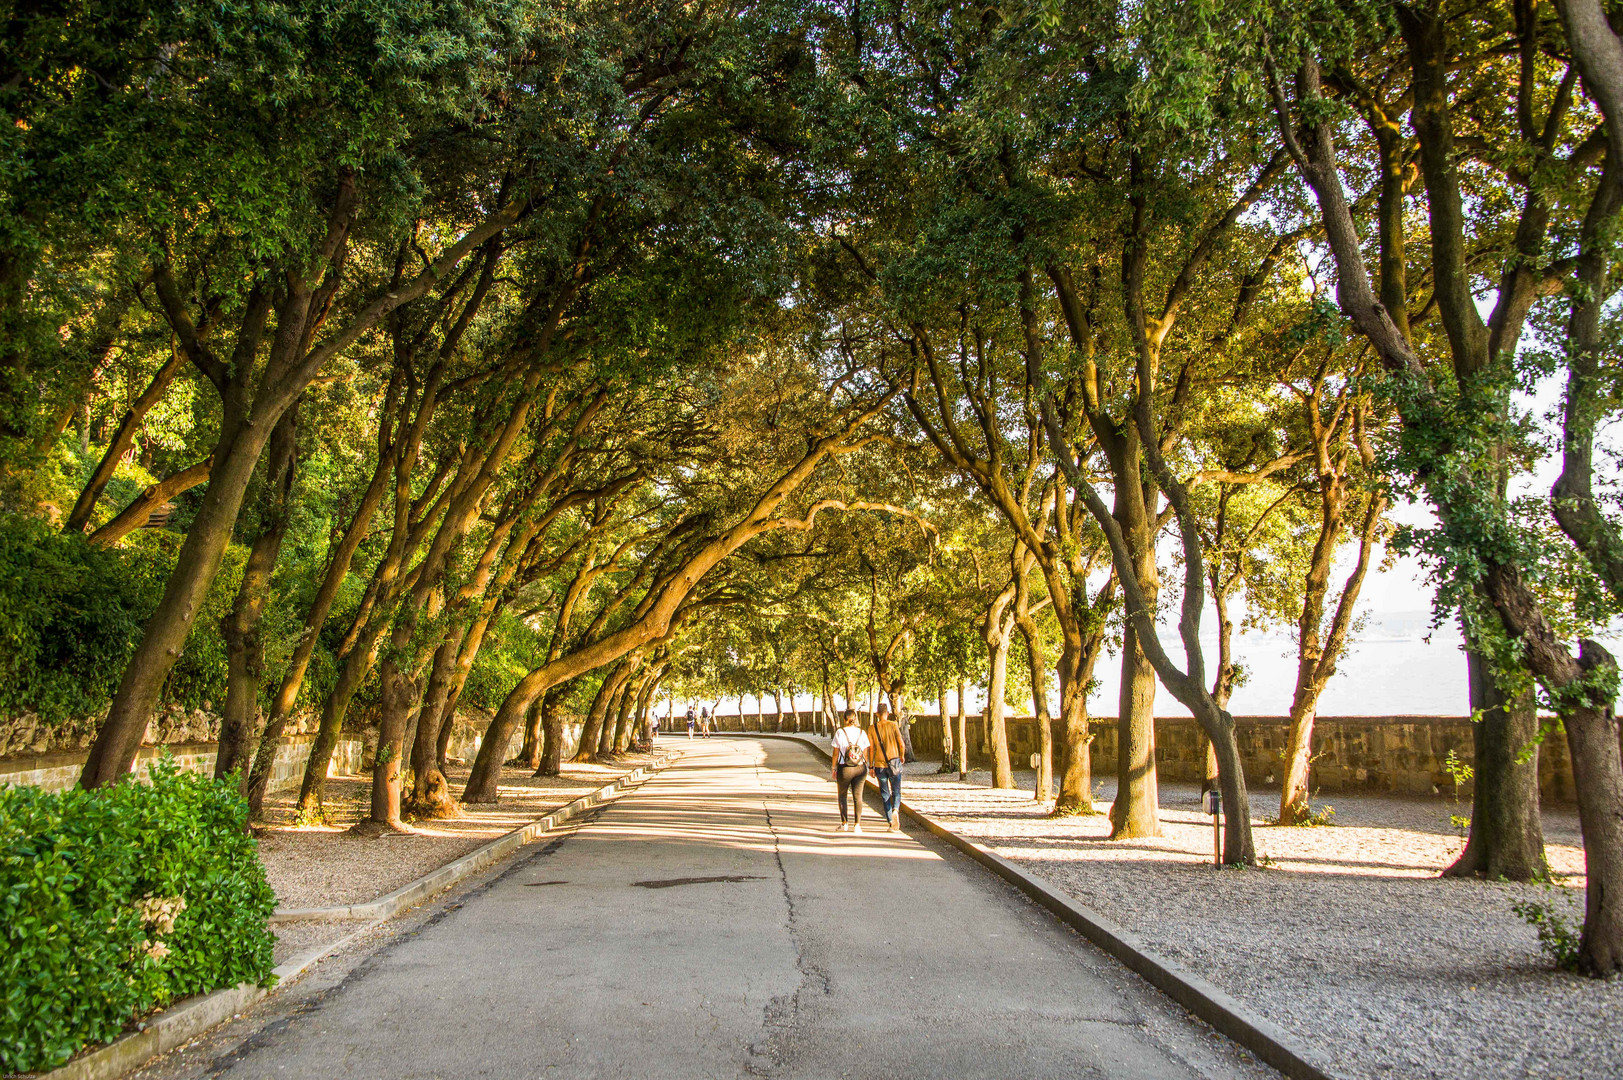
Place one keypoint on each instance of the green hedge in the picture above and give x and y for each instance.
(117, 901)
(71, 615)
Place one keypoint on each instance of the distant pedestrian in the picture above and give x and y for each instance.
(850, 770)
(690, 721)
(886, 755)
(704, 721)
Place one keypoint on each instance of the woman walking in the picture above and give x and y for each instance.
(850, 769)
(886, 754)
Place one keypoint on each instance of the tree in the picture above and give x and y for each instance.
(1494, 576)
(286, 303)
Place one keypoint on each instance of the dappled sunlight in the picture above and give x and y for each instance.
(1419, 842)
(320, 865)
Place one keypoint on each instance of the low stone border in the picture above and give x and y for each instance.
(184, 1022)
(475, 860)
(1225, 1013)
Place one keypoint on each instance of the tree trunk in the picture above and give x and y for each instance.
(402, 688)
(622, 718)
(552, 734)
(1045, 755)
(287, 695)
(963, 735)
(399, 692)
(1597, 775)
(605, 738)
(1032, 634)
(1237, 845)
(586, 753)
(946, 729)
(825, 719)
(85, 506)
(1076, 769)
(628, 716)
(113, 753)
(647, 701)
(904, 722)
(1223, 681)
(984, 728)
(777, 706)
(1002, 774)
(642, 714)
(529, 754)
(245, 651)
(1507, 834)
(140, 510)
(356, 667)
(1135, 812)
(430, 794)
(1294, 794)
(442, 745)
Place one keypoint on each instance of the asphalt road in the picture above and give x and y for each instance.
(713, 924)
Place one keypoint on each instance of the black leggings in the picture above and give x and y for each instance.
(850, 779)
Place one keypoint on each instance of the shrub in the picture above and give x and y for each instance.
(115, 902)
(71, 616)
(1559, 926)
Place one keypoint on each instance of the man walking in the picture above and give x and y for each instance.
(886, 754)
(690, 721)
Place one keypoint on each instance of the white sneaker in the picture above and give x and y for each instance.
(857, 827)
(895, 827)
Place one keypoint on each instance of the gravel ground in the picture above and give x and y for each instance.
(1349, 938)
(324, 865)
(297, 938)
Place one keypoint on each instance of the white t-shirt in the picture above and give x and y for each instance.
(851, 738)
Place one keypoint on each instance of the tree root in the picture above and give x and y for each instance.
(436, 802)
(442, 809)
(369, 829)
(1062, 810)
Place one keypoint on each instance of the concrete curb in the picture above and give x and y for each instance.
(167, 1031)
(475, 860)
(182, 1023)
(1225, 1013)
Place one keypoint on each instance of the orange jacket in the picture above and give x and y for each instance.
(884, 742)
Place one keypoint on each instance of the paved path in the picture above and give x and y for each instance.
(712, 924)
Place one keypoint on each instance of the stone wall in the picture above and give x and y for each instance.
(1350, 753)
(172, 725)
(57, 771)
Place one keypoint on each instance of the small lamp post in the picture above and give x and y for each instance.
(1211, 802)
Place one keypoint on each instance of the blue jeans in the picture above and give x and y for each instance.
(890, 792)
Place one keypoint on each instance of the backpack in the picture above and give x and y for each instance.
(853, 753)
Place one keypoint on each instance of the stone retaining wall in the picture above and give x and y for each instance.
(1350, 753)
(351, 757)
(57, 772)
